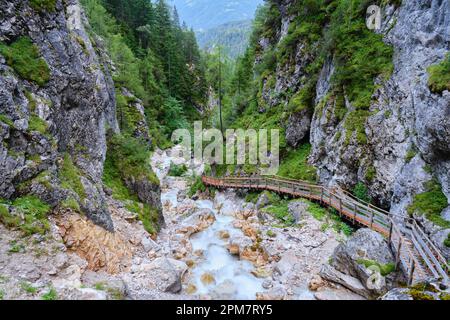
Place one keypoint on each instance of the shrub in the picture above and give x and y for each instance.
(24, 57)
(431, 203)
(5, 119)
(295, 165)
(439, 79)
(447, 241)
(43, 5)
(281, 212)
(196, 186)
(360, 191)
(177, 170)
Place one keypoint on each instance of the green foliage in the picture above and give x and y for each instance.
(329, 217)
(43, 5)
(30, 216)
(71, 204)
(5, 119)
(385, 269)
(127, 159)
(27, 287)
(252, 197)
(50, 295)
(431, 203)
(197, 185)
(70, 177)
(439, 79)
(177, 170)
(447, 241)
(280, 211)
(303, 99)
(24, 57)
(295, 165)
(410, 155)
(371, 173)
(360, 191)
(316, 211)
(37, 124)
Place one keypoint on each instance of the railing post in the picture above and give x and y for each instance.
(355, 213)
(340, 205)
(397, 256)
(371, 219)
(321, 196)
(411, 275)
(390, 231)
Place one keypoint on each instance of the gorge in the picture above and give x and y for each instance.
(96, 201)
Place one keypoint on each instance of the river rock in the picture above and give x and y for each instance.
(298, 209)
(331, 274)
(165, 274)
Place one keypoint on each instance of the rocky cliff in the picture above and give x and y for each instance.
(57, 102)
(396, 139)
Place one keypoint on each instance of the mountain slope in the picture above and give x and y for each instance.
(232, 36)
(206, 14)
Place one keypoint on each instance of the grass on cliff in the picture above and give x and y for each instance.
(128, 158)
(43, 5)
(295, 165)
(431, 203)
(177, 170)
(70, 177)
(24, 57)
(440, 76)
(30, 215)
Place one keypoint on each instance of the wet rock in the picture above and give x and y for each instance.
(224, 291)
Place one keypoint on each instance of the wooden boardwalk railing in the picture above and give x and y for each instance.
(415, 253)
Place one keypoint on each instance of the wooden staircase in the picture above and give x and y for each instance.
(416, 255)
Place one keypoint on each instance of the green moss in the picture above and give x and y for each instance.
(295, 165)
(70, 177)
(7, 120)
(252, 197)
(445, 296)
(37, 124)
(431, 203)
(316, 211)
(177, 170)
(385, 269)
(24, 57)
(439, 79)
(271, 234)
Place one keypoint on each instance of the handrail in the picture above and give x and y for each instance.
(415, 253)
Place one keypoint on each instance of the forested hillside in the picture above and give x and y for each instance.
(155, 57)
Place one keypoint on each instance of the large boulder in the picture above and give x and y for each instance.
(165, 274)
(298, 209)
(361, 257)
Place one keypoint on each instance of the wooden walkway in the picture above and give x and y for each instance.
(415, 253)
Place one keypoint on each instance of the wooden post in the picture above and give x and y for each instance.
(355, 213)
(340, 205)
(411, 275)
(390, 232)
(371, 220)
(397, 256)
(321, 196)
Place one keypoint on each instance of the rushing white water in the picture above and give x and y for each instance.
(232, 277)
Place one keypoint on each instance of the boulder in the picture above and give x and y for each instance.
(331, 274)
(298, 209)
(165, 274)
(364, 245)
(397, 294)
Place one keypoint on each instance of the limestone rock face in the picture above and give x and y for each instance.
(76, 105)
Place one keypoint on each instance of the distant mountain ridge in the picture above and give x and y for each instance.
(232, 36)
(206, 14)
